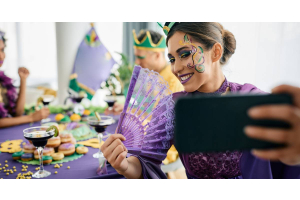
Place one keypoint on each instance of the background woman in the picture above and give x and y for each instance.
(11, 103)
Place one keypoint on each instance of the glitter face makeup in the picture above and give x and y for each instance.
(141, 57)
(197, 55)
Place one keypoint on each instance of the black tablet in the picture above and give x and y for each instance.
(216, 123)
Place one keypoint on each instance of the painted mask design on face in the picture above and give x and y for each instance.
(197, 54)
(141, 57)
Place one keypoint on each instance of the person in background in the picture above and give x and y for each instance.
(149, 50)
(11, 103)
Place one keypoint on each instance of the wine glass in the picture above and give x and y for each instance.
(47, 99)
(39, 137)
(110, 100)
(76, 100)
(100, 127)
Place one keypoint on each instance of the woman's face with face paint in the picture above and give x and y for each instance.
(189, 63)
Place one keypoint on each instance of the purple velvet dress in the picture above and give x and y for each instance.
(230, 165)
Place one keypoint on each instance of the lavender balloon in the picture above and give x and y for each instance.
(147, 120)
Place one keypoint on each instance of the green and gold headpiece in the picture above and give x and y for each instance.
(147, 44)
(167, 27)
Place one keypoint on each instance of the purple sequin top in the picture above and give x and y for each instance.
(8, 96)
(215, 165)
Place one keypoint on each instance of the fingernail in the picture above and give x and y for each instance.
(253, 111)
(254, 152)
(248, 130)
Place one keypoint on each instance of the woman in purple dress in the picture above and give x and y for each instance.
(11, 103)
(197, 51)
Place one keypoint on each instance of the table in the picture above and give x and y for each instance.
(82, 168)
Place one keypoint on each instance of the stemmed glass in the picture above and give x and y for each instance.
(77, 108)
(100, 127)
(47, 99)
(39, 137)
(110, 100)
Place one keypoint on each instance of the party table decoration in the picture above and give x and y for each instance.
(94, 142)
(11, 146)
(64, 160)
(80, 131)
(92, 65)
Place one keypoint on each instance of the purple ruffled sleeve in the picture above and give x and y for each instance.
(151, 168)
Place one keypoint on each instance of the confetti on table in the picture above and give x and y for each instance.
(69, 167)
(55, 172)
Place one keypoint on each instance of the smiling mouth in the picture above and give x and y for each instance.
(185, 77)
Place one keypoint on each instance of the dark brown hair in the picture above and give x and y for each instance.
(208, 33)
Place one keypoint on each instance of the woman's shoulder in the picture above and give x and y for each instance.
(176, 95)
(247, 87)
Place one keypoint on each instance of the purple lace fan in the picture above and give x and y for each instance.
(147, 120)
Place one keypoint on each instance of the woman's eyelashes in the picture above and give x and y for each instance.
(171, 58)
(181, 55)
(184, 54)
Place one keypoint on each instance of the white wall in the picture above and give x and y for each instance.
(111, 35)
(267, 54)
(31, 44)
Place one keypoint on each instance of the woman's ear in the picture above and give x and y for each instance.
(217, 52)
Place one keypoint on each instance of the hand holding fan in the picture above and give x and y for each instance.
(147, 120)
